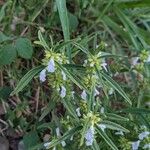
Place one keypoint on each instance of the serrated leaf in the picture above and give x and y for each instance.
(24, 48)
(26, 79)
(7, 54)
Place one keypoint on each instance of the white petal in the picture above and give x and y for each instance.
(63, 143)
(63, 75)
(72, 94)
(135, 145)
(111, 91)
(119, 133)
(102, 126)
(148, 59)
(78, 112)
(134, 61)
(43, 75)
(83, 95)
(63, 92)
(146, 146)
(46, 145)
(96, 92)
(51, 66)
(57, 132)
(102, 110)
(104, 66)
(143, 135)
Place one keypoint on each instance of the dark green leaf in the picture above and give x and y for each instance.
(24, 48)
(7, 54)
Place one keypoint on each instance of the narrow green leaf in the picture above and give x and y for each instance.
(70, 108)
(26, 79)
(106, 138)
(114, 126)
(116, 117)
(136, 110)
(114, 85)
(63, 14)
(67, 135)
(72, 77)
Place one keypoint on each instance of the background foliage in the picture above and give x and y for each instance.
(85, 35)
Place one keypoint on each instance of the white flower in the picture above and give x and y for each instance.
(143, 135)
(43, 75)
(51, 66)
(119, 133)
(54, 148)
(63, 92)
(148, 59)
(46, 145)
(63, 143)
(58, 134)
(96, 92)
(72, 94)
(83, 95)
(135, 145)
(104, 64)
(102, 126)
(63, 75)
(146, 146)
(78, 112)
(89, 136)
(57, 131)
(135, 61)
(111, 91)
(102, 110)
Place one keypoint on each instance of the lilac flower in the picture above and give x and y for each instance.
(135, 145)
(78, 112)
(51, 66)
(43, 75)
(46, 145)
(146, 146)
(63, 75)
(119, 133)
(102, 126)
(63, 92)
(89, 136)
(83, 95)
(143, 135)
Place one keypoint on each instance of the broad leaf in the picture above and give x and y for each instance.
(24, 48)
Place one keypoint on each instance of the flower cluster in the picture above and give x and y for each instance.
(56, 77)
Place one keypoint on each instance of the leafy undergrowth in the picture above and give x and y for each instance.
(75, 75)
